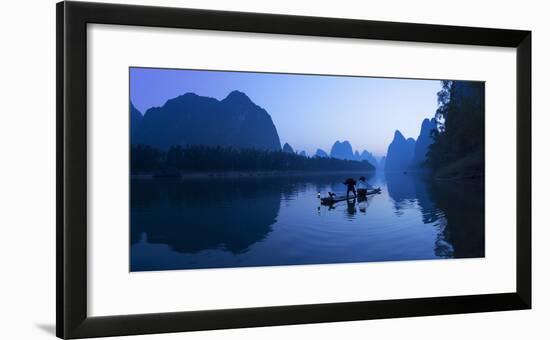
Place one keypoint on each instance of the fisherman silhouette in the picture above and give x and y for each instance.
(350, 184)
(362, 186)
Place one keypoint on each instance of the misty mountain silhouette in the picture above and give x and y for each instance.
(287, 148)
(190, 119)
(423, 142)
(321, 153)
(400, 153)
(369, 157)
(342, 150)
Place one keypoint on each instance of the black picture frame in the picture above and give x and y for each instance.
(72, 319)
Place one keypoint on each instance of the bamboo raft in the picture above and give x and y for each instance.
(338, 198)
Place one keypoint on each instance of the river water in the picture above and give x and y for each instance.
(266, 221)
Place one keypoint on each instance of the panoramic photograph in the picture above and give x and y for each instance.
(243, 169)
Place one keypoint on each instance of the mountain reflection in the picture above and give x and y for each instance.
(191, 216)
(402, 190)
(456, 209)
(407, 189)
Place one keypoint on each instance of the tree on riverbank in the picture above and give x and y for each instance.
(459, 141)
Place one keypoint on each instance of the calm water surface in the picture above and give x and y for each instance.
(239, 222)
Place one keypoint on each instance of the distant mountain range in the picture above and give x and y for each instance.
(423, 142)
(340, 150)
(237, 122)
(369, 157)
(408, 154)
(400, 152)
(344, 150)
(195, 120)
(403, 153)
(321, 153)
(287, 148)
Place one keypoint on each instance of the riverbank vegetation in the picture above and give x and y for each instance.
(144, 158)
(458, 150)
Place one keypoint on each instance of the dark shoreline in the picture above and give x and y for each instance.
(245, 174)
(435, 176)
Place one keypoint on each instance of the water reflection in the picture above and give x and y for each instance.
(351, 209)
(406, 190)
(255, 221)
(191, 216)
(455, 208)
(402, 190)
(463, 207)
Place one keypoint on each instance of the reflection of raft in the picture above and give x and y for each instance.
(360, 193)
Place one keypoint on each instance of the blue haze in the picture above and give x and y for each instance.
(309, 111)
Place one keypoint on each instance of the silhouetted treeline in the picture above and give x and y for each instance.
(459, 141)
(205, 158)
(146, 157)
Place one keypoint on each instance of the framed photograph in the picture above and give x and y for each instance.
(225, 169)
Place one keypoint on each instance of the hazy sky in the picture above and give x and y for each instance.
(308, 111)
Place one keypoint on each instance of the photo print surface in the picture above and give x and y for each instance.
(242, 169)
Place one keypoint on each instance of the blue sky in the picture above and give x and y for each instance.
(309, 111)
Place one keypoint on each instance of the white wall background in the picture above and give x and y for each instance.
(27, 169)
